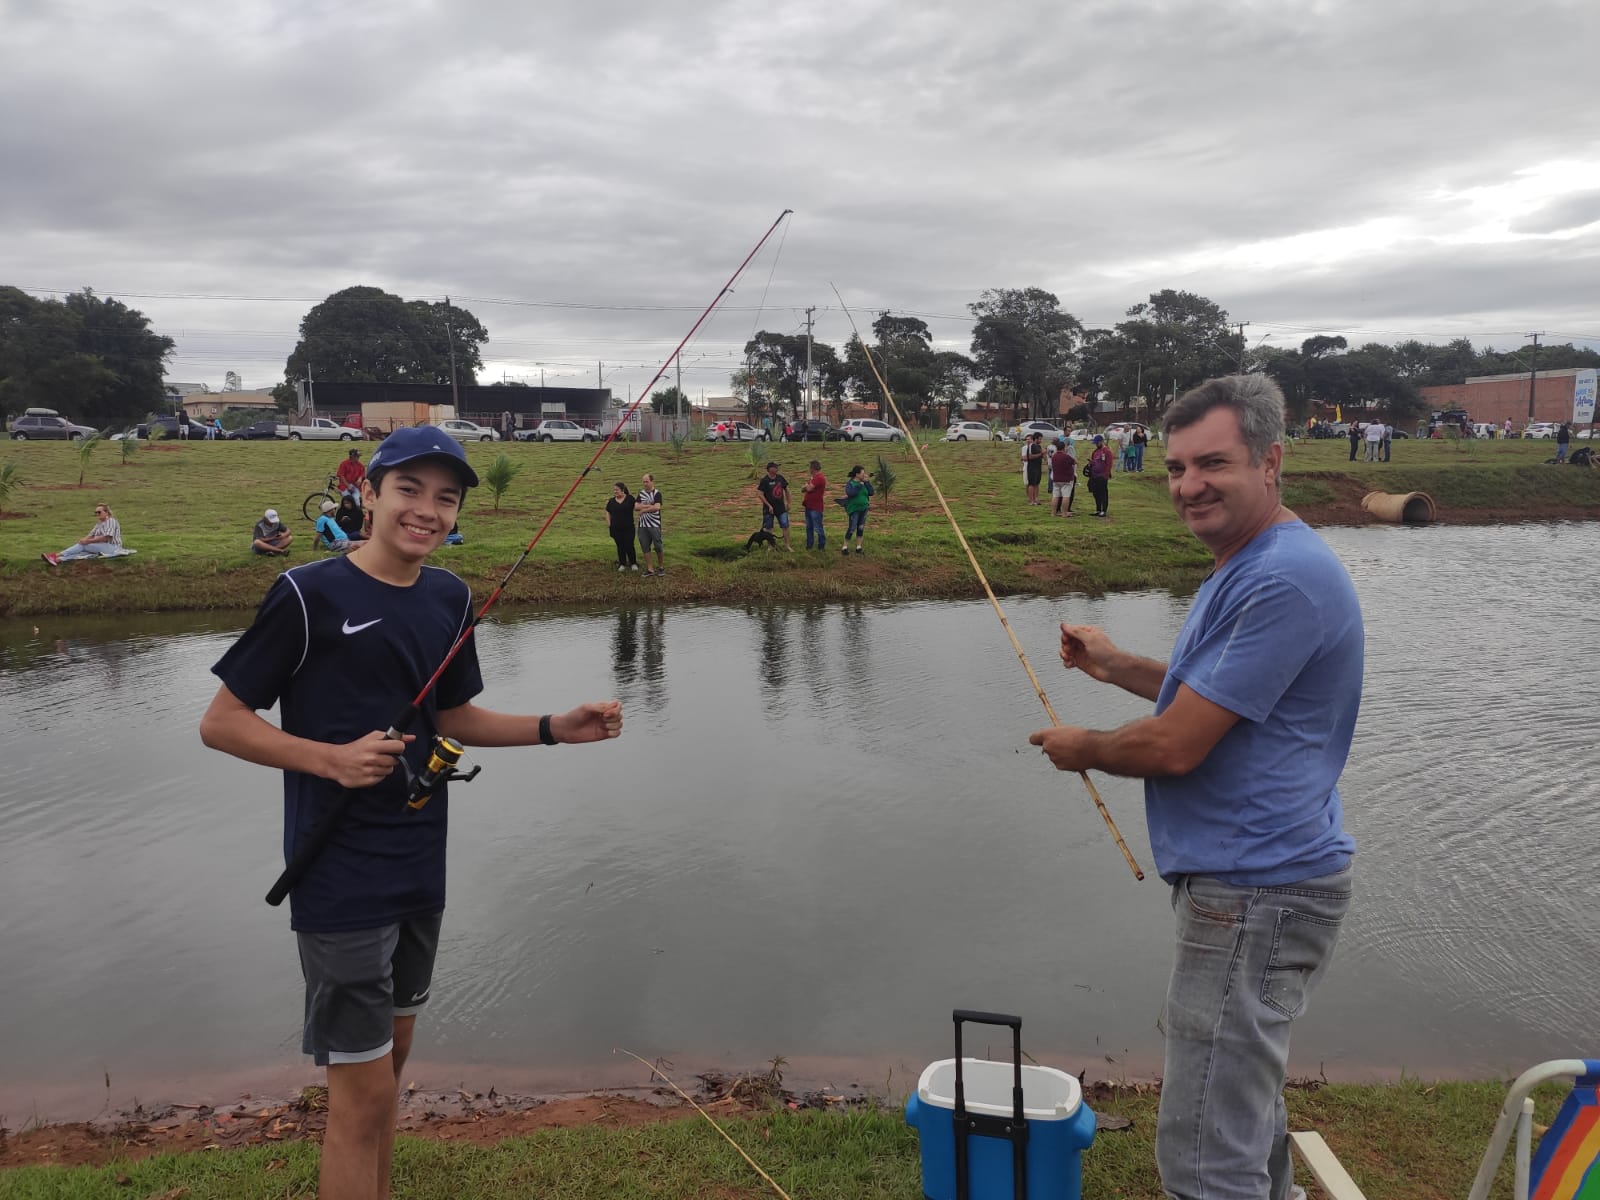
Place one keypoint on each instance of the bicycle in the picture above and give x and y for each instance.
(312, 508)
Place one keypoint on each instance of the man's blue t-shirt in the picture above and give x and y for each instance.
(344, 653)
(1274, 636)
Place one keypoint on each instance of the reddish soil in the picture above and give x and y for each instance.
(483, 1119)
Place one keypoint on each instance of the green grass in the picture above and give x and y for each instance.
(1405, 1141)
(188, 507)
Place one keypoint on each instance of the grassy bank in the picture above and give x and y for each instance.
(188, 508)
(1405, 1141)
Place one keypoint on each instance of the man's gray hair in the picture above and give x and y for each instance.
(1255, 399)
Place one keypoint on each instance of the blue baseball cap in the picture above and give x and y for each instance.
(1098, 440)
(424, 441)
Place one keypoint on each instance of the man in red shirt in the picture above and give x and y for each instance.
(351, 473)
(811, 501)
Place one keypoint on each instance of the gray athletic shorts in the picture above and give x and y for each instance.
(359, 981)
(649, 539)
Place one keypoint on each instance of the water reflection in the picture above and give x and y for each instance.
(827, 816)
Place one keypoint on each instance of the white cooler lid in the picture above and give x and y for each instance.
(1047, 1094)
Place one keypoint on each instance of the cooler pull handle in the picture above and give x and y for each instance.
(1017, 1131)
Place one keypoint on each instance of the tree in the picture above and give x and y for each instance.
(1022, 338)
(1170, 343)
(667, 401)
(367, 335)
(96, 357)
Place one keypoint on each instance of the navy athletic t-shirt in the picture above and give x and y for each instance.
(343, 654)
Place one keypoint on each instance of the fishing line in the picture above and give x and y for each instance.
(1038, 688)
(323, 831)
(655, 1070)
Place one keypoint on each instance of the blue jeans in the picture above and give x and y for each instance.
(1247, 962)
(814, 529)
(855, 525)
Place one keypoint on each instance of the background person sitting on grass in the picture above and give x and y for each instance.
(271, 536)
(329, 535)
(351, 519)
(103, 541)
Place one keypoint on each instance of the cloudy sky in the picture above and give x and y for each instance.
(584, 176)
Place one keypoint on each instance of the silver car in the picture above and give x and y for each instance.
(556, 430)
(468, 431)
(867, 429)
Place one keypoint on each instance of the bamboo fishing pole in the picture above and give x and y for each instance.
(899, 418)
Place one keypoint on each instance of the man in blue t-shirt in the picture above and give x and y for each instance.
(1254, 714)
(342, 646)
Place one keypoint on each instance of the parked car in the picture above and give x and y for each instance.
(1121, 431)
(260, 431)
(1028, 428)
(469, 431)
(43, 424)
(322, 429)
(170, 427)
(812, 431)
(869, 429)
(737, 431)
(1540, 429)
(972, 431)
(556, 430)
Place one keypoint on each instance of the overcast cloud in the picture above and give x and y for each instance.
(1403, 168)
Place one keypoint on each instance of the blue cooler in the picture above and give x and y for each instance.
(996, 1130)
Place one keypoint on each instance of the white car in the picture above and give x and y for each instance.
(1050, 429)
(467, 431)
(867, 429)
(972, 431)
(1540, 429)
(557, 431)
(1122, 431)
(737, 431)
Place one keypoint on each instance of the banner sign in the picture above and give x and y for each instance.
(1583, 394)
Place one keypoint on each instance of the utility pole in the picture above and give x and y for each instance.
(455, 400)
(1533, 372)
(1241, 325)
(809, 311)
(678, 362)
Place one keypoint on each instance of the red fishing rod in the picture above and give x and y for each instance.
(441, 763)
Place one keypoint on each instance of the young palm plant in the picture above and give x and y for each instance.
(883, 479)
(497, 478)
(10, 479)
(86, 450)
(129, 447)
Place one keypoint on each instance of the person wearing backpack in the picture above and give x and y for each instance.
(1100, 476)
(857, 498)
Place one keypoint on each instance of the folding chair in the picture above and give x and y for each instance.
(1566, 1167)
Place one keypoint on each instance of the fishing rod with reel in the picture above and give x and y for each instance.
(422, 784)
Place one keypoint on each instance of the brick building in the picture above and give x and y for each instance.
(1496, 398)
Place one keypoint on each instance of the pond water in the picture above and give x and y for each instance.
(821, 831)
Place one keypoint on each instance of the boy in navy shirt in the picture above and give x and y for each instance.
(342, 645)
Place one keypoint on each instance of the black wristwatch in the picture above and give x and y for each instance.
(546, 738)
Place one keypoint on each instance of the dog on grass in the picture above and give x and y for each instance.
(761, 537)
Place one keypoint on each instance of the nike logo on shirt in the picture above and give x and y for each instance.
(349, 628)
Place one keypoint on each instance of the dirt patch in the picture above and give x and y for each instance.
(15, 516)
(63, 487)
(479, 1118)
(1055, 573)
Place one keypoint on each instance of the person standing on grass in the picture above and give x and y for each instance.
(367, 912)
(1563, 440)
(619, 519)
(1100, 465)
(1254, 714)
(103, 541)
(1374, 437)
(647, 504)
(1388, 438)
(774, 489)
(270, 535)
(857, 499)
(1355, 439)
(811, 497)
(1063, 477)
(1140, 440)
(1032, 466)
